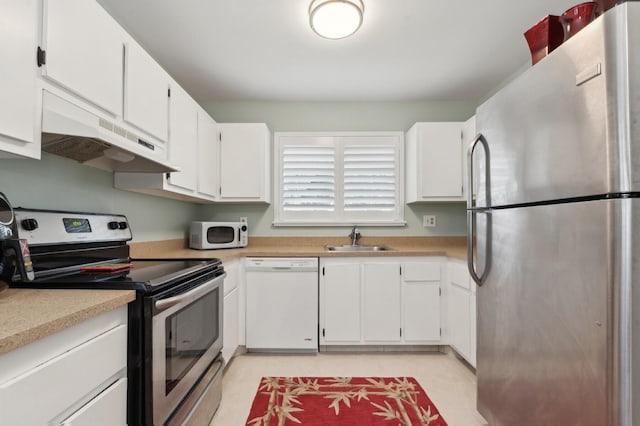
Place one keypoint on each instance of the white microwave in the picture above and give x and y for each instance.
(218, 235)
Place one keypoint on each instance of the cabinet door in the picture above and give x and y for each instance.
(146, 92)
(84, 51)
(208, 155)
(340, 292)
(440, 160)
(244, 162)
(230, 335)
(381, 302)
(183, 138)
(108, 408)
(458, 320)
(18, 42)
(468, 136)
(421, 311)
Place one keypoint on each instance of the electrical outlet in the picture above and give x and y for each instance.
(429, 221)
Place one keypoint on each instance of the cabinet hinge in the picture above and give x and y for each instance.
(41, 57)
(220, 190)
(323, 271)
(168, 175)
(169, 92)
(439, 291)
(220, 136)
(441, 332)
(401, 270)
(401, 332)
(323, 332)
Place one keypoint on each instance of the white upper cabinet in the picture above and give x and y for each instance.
(468, 136)
(146, 92)
(183, 138)
(18, 43)
(434, 162)
(245, 162)
(83, 46)
(208, 155)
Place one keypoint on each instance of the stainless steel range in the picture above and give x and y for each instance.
(175, 323)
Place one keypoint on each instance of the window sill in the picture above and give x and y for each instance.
(277, 224)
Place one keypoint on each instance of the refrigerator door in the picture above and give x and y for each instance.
(561, 130)
(544, 327)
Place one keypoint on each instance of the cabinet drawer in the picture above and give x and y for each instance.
(423, 271)
(64, 380)
(108, 408)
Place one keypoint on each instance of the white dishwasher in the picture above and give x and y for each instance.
(282, 304)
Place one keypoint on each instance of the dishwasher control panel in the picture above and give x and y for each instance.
(282, 263)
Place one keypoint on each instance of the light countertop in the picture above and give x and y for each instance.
(454, 247)
(27, 315)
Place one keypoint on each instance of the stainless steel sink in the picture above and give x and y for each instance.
(358, 248)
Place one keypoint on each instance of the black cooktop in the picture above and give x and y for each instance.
(146, 275)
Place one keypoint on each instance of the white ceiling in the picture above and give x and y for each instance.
(405, 50)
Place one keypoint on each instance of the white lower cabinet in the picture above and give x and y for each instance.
(421, 302)
(381, 302)
(340, 317)
(231, 313)
(366, 301)
(76, 376)
(461, 311)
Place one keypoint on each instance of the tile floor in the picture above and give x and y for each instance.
(449, 383)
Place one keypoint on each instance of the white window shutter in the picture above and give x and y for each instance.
(339, 178)
(370, 178)
(308, 179)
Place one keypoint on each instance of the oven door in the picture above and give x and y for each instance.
(187, 337)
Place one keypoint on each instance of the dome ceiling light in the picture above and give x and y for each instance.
(335, 19)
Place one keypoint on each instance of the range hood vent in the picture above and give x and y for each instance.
(72, 132)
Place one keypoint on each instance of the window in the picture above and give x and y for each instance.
(340, 178)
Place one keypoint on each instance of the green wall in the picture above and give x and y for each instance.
(341, 116)
(61, 184)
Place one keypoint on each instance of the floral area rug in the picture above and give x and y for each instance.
(329, 401)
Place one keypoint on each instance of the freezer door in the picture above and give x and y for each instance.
(547, 130)
(544, 325)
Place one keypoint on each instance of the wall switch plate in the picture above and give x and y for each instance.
(429, 221)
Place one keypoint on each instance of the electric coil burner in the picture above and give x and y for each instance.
(175, 323)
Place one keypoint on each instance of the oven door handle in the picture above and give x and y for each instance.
(163, 304)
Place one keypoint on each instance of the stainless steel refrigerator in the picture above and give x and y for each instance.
(555, 234)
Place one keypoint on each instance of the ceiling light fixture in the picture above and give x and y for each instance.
(335, 19)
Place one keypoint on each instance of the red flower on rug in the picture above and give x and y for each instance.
(342, 401)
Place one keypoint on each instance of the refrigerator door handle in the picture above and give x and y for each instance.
(471, 219)
(471, 215)
(479, 139)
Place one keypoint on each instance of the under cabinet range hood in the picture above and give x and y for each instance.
(73, 132)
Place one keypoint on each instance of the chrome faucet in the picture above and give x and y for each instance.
(354, 235)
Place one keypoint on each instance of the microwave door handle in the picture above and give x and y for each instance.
(164, 304)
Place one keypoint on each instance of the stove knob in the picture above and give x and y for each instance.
(29, 224)
(112, 225)
(123, 225)
(243, 228)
